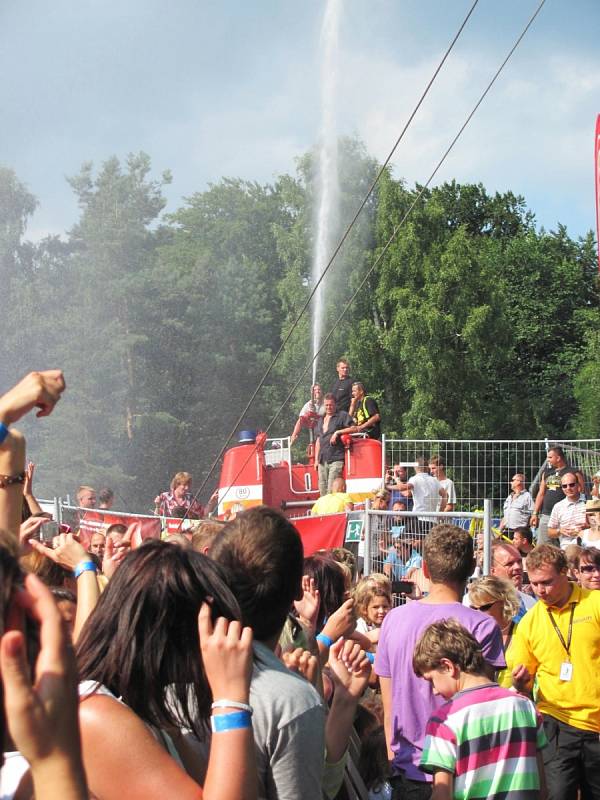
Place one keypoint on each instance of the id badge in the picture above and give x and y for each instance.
(566, 671)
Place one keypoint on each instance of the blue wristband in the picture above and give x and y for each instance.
(3, 432)
(371, 657)
(230, 722)
(85, 566)
(324, 639)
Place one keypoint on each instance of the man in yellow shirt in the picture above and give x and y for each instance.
(334, 502)
(558, 640)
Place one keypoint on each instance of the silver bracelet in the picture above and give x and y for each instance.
(231, 704)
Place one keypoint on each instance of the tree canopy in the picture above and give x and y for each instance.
(472, 323)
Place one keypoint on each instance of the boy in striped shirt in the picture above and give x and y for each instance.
(486, 741)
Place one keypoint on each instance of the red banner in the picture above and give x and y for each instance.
(139, 528)
(597, 184)
(321, 533)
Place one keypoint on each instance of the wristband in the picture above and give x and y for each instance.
(84, 566)
(371, 657)
(232, 704)
(10, 480)
(324, 639)
(220, 723)
(3, 432)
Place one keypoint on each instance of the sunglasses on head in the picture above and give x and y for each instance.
(567, 485)
(485, 606)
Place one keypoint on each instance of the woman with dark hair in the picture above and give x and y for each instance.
(330, 580)
(143, 681)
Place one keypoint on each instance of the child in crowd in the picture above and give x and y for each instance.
(373, 600)
(486, 741)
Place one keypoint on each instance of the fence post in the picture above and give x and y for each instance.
(57, 510)
(487, 536)
(367, 535)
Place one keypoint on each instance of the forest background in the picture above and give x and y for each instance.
(474, 323)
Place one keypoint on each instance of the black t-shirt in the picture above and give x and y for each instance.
(553, 492)
(367, 408)
(328, 453)
(342, 391)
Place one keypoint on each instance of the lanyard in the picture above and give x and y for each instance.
(567, 644)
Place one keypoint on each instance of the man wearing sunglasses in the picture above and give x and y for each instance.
(568, 519)
(550, 492)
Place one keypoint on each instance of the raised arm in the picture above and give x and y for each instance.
(40, 390)
(42, 715)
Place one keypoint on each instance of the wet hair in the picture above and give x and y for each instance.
(448, 553)
(494, 588)
(546, 555)
(142, 637)
(448, 639)
(180, 479)
(178, 539)
(374, 585)
(117, 527)
(204, 534)
(330, 580)
(346, 558)
(525, 532)
(59, 593)
(262, 555)
(106, 495)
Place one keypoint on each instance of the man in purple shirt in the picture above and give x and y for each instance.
(408, 701)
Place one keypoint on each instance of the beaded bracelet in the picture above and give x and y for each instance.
(220, 723)
(84, 566)
(9, 480)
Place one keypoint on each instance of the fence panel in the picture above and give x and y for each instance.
(482, 469)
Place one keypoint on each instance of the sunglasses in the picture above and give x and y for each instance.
(589, 568)
(485, 606)
(567, 485)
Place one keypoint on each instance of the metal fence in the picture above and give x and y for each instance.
(482, 469)
(402, 534)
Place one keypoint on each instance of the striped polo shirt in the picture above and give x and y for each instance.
(488, 738)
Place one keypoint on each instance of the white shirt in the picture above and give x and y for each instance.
(426, 493)
(448, 485)
(568, 514)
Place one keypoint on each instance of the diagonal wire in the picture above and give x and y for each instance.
(398, 226)
(340, 245)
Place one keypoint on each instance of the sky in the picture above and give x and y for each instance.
(231, 88)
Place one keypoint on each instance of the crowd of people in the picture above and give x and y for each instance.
(223, 663)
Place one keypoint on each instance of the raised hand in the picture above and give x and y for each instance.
(308, 607)
(42, 715)
(342, 622)
(226, 650)
(67, 551)
(349, 666)
(40, 390)
(303, 662)
(28, 530)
